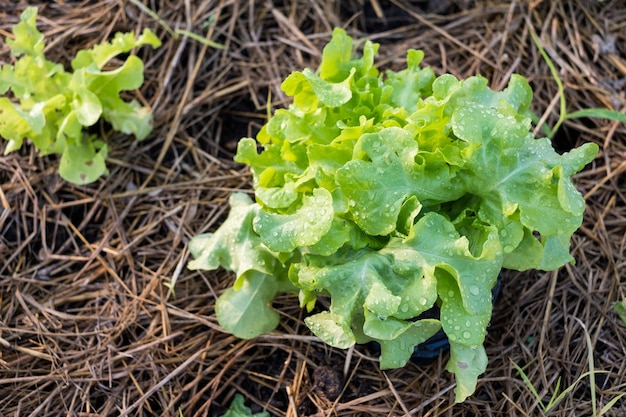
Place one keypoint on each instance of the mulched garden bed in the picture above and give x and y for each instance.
(99, 315)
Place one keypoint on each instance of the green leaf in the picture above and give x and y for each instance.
(126, 117)
(102, 53)
(13, 125)
(270, 169)
(234, 246)
(32, 78)
(330, 94)
(325, 326)
(305, 227)
(350, 278)
(515, 175)
(238, 409)
(245, 310)
(336, 54)
(528, 253)
(466, 363)
(341, 232)
(385, 175)
(556, 252)
(600, 113)
(83, 162)
(462, 325)
(381, 302)
(620, 309)
(464, 282)
(277, 197)
(297, 86)
(28, 40)
(88, 108)
(69, 129)
(129, 118)
(407, 216)
(434, 244)
(373, 295)
(412, 84)
(398, 338)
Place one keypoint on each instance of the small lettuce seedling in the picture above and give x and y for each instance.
(393, 193)
(52, 107)
(238, 409)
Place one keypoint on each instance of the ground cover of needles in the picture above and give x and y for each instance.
(99, 315)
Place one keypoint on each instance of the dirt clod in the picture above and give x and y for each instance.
(328, 382)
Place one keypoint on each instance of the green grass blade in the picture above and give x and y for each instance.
(556, 397)
(592, 371)
(555, 401)
(200, 39)
(600, 113)
(156, 17)
(530, 387)
(610, 404)
(557, 79)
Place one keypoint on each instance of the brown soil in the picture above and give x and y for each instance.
(88, 325)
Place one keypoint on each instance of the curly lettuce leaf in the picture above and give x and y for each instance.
(437, 246)
(102, 53)
(244, 309)
(466, 363)
(398, 342)
(87, 105)
(28, 40)
(384, 173)
(374, 293)
(234, 246)
(338, 61)
(305, 227)
(15, 124)
(464, 279)
(523, 184)
(370, 300)
(336, 56)
(410, 85)
(106, 86)
(34, 78)
(329, 94)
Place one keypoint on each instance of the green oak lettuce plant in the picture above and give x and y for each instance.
(52, 107)
(392, 194)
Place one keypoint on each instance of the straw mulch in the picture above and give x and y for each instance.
(88, 324)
